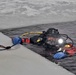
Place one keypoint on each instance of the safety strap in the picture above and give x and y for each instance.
(6, 47)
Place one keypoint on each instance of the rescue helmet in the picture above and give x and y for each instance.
(52, 31)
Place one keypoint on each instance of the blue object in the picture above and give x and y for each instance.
(16, 40)
(59, 55)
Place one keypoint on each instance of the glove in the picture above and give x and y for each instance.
(16, 40)
(59, 55)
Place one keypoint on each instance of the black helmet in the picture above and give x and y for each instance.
(52, 31)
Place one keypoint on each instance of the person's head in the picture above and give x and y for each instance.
(52, 31)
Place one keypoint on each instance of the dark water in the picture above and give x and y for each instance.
(68, 28)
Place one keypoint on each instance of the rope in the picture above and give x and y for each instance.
(27, 33)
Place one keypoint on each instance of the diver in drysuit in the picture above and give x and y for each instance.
(48, 40)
